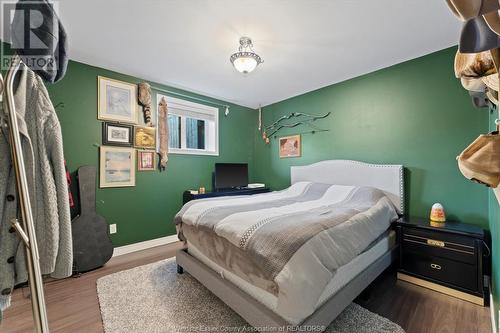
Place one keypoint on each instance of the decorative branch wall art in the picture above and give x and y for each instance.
(284, 122)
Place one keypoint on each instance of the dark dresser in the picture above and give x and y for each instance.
(452, 257)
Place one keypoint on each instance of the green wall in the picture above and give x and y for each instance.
(145, 211)
(414, 113)
(494, 211)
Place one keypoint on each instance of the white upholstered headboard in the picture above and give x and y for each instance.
(386, 177)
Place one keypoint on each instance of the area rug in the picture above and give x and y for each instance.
(154, 298)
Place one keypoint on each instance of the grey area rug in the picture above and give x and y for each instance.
(154, 298)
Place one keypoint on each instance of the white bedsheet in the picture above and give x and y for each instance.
(344, 274)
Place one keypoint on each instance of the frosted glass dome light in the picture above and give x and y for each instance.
(245, 60)
(245, 64)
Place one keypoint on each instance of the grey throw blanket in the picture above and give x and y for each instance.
(271, 228)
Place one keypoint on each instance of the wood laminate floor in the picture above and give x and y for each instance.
(73, 306)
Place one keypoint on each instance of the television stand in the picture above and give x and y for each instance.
(187, 196)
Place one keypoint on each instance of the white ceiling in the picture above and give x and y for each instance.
(306, 44)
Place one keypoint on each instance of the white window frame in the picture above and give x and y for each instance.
(183, 109)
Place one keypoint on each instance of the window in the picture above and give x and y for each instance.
(193, 128)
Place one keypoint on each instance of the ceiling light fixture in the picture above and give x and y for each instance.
(245, 60)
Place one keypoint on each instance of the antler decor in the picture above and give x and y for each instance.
(304, 119)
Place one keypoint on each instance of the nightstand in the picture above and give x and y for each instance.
(451, 257)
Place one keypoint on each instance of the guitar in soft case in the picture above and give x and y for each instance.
(92, 246)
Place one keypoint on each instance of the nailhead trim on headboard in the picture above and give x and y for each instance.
(400, 170)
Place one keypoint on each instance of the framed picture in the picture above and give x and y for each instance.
(290, 146)
(117, 167)
(146, 160)
(117, 100)
(145, 137)
(117, 134)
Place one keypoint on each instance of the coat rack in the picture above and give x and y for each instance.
(303, 119)
(27, 230)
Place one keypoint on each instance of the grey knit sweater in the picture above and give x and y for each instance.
(43, 155)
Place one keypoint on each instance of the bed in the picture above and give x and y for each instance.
(335, 216)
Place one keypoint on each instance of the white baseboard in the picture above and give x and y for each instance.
(121, 250)
(494, 327)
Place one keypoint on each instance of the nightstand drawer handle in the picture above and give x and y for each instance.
(436, 266)
(434, 242)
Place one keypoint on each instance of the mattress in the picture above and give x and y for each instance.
(289, 241)
(342, 277)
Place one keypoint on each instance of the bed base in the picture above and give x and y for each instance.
(263, 318)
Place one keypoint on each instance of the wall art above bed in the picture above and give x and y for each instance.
(299, 118)
(290, 146)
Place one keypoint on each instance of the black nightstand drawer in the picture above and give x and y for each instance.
(441, 269)
(457, 248)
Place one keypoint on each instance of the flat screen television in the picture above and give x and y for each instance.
(230, 176)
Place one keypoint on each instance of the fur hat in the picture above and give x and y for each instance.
(476, 71)
(493, 21)
(467, 9)
(476, 36)
(480, 161)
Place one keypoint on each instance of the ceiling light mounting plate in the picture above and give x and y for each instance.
(245, 42)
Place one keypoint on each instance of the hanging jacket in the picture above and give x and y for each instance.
(43, 156)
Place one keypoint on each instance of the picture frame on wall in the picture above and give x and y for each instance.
(117, 100)
(114, 134)
(145, 137)
(146, 160)
(117, 167)
(290, 146)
